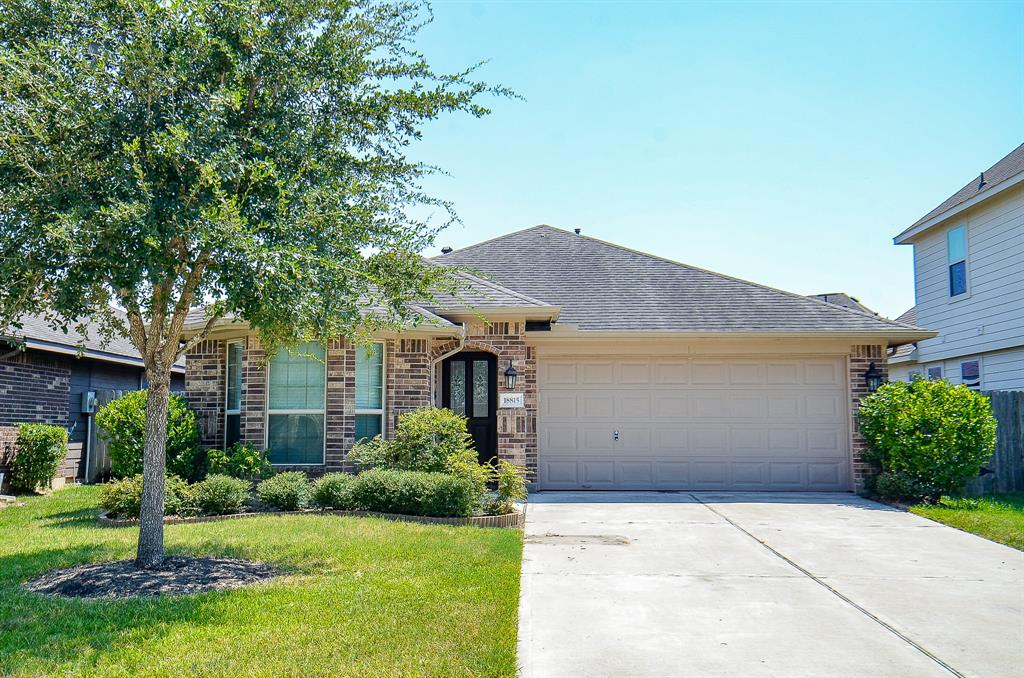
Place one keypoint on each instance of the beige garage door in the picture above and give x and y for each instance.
(694, 423)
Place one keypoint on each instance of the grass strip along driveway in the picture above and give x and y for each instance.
(360, 597)
(999, 517)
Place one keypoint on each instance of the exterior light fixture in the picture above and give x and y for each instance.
(873, 378)
(510, 377)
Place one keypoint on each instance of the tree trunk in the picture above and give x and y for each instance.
(154, 461)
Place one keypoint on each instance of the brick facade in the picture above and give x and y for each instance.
(860, 360)
(204, 389)
(34, 388)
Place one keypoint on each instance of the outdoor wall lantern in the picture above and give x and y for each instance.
(873, 378)
(510, 377)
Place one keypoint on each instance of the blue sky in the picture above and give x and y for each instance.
(781, 143)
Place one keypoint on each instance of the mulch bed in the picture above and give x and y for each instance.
(179, 575)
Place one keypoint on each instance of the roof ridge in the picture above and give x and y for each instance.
(497, 238)
(501, 288)
(793, 295)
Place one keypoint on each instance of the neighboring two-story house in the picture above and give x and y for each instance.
(969, 284)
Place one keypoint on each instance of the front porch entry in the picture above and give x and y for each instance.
(469, 386)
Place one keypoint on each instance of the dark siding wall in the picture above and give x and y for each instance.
(92, 375)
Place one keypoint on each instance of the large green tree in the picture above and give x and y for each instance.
(250, 155)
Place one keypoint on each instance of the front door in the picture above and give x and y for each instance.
(470, 388)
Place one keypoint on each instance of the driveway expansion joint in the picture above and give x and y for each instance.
(821, 581)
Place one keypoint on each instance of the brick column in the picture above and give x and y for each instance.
(408, 379)
(340, 406)
(860, 359)
(254, 393)
(204, 390)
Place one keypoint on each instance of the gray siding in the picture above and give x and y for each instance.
(991, 316)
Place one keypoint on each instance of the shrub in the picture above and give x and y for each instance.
(511, 481)
(124, 497)
(425, 440)
(415, 493)
(219, 494)
(241, 460)
(289, 491)
(39, 450)
(926, 437)
(123, 426)
(334, 491)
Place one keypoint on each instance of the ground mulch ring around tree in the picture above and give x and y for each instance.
(179, 575)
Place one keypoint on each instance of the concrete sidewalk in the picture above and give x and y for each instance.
(650, 584)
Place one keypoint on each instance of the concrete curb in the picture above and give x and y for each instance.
(508, 520)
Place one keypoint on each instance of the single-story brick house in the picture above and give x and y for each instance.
(632, 372)
(44, 373)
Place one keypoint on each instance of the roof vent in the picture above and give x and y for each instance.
(577, 230)
(981, 181)
(446, 250)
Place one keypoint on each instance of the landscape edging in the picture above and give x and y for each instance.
(507, 520)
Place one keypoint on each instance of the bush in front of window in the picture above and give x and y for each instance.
(334, 491)
(38, 451)
(288, 491)
(415, 493)
(926, 438)
(427, 439)
(122, 425)
(242, 460)
(219, 495)
(123, 498)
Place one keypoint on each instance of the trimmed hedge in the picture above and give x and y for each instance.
(39, 450)
(288, 491)
(415, 493)
(124, 497)
(219, 495)
(334, 491)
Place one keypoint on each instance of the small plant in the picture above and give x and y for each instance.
(334, 491)
(241, 460)
(511, 480)
(122, 424)
(219, 495)
(124, 497)
(415, 493)
(425, 440)
(39, 450)
(926, 437)
(288, 491)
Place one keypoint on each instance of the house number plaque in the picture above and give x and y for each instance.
(507, 401)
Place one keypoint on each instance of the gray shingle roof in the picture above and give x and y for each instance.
(39, 334)
(602, 286)
(1007, 168)
(482, 294)
(843, 299)
(910, 318)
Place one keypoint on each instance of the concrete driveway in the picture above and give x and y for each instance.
(703, 584)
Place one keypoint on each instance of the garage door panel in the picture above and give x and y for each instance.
(694, 423)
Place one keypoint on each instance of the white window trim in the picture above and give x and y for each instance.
(981, 371)
(967, 264)
(227, 363)
(323, 411)
(383, 391)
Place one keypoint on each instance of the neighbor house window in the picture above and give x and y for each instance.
(913, 374)
(295, 412)
(935, 372)
(233, 397)
(956, 257)
(369, 391)
(970, 374)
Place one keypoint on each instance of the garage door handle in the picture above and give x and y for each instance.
(615, 435)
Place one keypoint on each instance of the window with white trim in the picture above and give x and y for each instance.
(935, 372)
(233, 395)
(296, 405)
(369, 391)
(956, 258)
(970, 374)
(914, 374)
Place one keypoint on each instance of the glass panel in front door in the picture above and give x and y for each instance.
(457, 395)
(480, 388)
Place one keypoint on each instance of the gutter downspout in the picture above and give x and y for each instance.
(435, 361)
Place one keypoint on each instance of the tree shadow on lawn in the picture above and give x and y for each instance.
(42, 634)
(84, 517)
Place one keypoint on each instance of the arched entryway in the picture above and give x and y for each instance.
(469, 386)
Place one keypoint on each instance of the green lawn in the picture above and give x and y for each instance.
(362, 597)
(998, 517)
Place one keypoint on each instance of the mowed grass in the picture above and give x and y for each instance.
(360, 597)
(998, 517)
